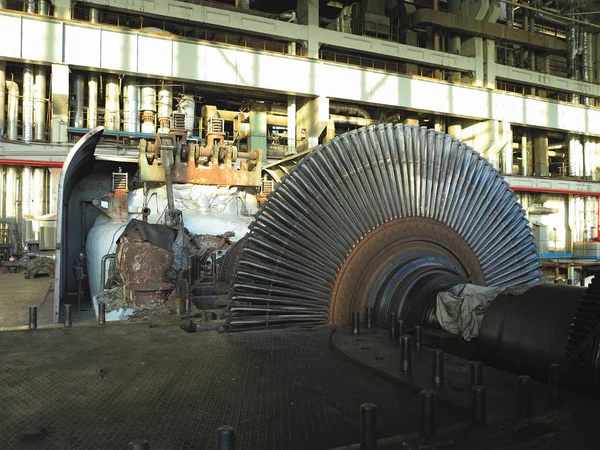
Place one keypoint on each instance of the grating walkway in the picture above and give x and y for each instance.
(98, 388)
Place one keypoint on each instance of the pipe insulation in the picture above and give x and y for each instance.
(29, 6)
(39, 192)
(131, 122)
(575, 157)
(92, 117)
(349, 110)
(2, 189)
(148, 108)
(78, 90)
(94, 15)
(27, 104)
(39, 104)
(43, 7)
(13, 110)
(2, 99)
(187, 105)
(165, 108)
(586, 63)
(112, 115)
(10, 192)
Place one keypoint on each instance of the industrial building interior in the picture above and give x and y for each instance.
(299, 224)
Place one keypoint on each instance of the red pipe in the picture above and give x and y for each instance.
(20, 162)
(555, 191)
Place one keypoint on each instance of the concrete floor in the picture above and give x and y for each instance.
(17, 294)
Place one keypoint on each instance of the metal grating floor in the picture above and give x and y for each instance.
(98, 388)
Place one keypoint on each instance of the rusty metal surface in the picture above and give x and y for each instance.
(40, 266)
(117, 208)
(140, 261)
(148, 294)
(387, 250)
(211, 165)
(143, 265)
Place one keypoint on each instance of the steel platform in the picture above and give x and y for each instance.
(99, 387)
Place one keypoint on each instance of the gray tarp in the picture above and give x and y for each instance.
(460, 311)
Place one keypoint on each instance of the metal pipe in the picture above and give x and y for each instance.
(148, 108)
(350, 110)
(10, 192)
(112, 116)
(131, 121)
(27, 103)
(39, 104)
(92, 117)
(350, 120)
(187, 105)
(2, 189)
(436, 40)
(165, 108)
(26, 201)
(103, 270)
(29, 6)
(2, 98)
(575, 157)
(549, 16)
(78, 89)
(94, 15)
(43, 7)
(13, 110)
(586, 63)
(524, 156)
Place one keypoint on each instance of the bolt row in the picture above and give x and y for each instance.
(478, 396)
(68, 321)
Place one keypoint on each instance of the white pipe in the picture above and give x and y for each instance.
(112, 116)
(27, 202)
(13, 110)
(291, 125)
(575, 157)
(78, 90)
(165, 108)
(53, 189)
(27, 104)
(589, 148)
(2, 99)
(39, 188)
(39, 104)
(37, 207)
(92, 117)
(524, 156)
(187, 105)
(94, 15)
(507, 156)
(131, 121)
(26, 191)
(586, 63)
(43, 7)
(11, 192)
(2, 198)
(148, 108)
